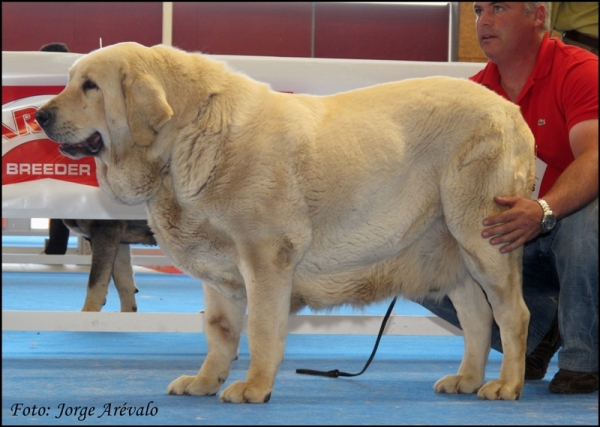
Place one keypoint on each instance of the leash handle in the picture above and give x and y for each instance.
(332, 374)
(335, 373)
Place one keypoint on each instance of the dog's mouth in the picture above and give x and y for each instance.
(90, 147)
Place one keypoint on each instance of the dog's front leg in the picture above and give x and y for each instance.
(268, 281)
(123, 277)
(224, 320)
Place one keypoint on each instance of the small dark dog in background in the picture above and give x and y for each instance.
(111, 257)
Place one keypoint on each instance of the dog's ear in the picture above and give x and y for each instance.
(147, 107)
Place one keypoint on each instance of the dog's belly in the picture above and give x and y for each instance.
(429, 267)
(420, 261)
(388, 247)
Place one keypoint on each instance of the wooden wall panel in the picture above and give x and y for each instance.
(381, 31)
(249, 28)
(29, 25)
(468, 45)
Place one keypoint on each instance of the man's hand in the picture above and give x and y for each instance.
(515, 226)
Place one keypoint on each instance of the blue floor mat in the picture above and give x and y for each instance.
(33, 241)
(55, 370)
(53, 291)
(100, 370)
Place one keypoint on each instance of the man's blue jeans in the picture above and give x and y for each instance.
(562, 264)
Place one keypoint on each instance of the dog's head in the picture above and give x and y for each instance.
(112, 95)
(113, 107)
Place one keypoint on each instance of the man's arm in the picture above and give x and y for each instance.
(576, 187)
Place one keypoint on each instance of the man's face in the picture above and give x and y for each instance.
(503, 28)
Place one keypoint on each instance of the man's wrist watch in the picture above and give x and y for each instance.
(549, 220)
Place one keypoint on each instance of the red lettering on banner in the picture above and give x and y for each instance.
(24, 118)
(8, 133)
(41, 159)
(25, 123)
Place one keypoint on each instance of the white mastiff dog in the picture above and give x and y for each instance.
(279, 201)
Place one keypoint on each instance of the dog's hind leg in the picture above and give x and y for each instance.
(104, 238)
(122, 275)
(224, 320)
(504, 292)
(497, 160)
(499, 276)
(475, 316)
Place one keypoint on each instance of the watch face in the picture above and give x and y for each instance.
(549, 222)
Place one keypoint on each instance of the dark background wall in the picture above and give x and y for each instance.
(28, 26)
(298, 29)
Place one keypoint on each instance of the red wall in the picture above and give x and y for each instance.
(382, 31)
(341, 30)
(28, 26)
(248, 28)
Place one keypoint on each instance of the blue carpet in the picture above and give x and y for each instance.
(54, 370)
(158, 293)
(39, 241)
(50, 369)
(33, 241)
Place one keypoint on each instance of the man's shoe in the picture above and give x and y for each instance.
(571, 382)
(536, 364)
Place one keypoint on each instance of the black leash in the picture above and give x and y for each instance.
(336, 372)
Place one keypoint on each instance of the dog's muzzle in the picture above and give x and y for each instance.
(46, 118)
(89, 147)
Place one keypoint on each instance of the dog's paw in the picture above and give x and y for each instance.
(243, 392)
(93, 306)
(457, 384)
(194, 386)
(500, 390)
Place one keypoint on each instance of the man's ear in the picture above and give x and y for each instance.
(539, 14)
(147, 107)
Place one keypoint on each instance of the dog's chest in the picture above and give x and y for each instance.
(197, 247)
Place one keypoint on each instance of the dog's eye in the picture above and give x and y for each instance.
(88, 84)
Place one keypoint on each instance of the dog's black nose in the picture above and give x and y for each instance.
(43, 117)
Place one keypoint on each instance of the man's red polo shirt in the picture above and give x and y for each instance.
(561, 91)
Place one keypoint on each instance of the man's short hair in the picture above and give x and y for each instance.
(54, 47)
(530, 5)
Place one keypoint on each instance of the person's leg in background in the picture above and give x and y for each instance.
(58, 239)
